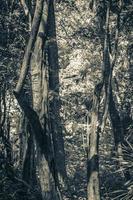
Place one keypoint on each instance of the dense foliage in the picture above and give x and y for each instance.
(80, 32)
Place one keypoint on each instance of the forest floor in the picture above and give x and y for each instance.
(111, 181)
(76, 169)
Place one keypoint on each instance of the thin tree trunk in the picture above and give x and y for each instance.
(23, 139)
(118, 133)
(30, 46)
(93, 187)
(116, 124)
(97, 124)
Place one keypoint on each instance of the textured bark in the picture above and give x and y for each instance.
(106, 70)
(54, 102)
(40, 87)
(27, 155)
(97, 125)
(93, 188)
(116, 123)
(27, 151)
(34, 117)
(40, 104)
(23, 139)
(25, 7)
(30, 46)
(34, 122)
(44, 172)
(38, 114)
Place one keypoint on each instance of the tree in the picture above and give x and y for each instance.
(109, 59)
(75, 78)
(43, 28)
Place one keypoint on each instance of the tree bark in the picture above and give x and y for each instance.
(30, 46)
(38, 116)
(39, 80)
(54, 102)
(40, 90)
(93, 187)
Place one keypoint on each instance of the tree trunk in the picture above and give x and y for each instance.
(30, 46)
(97, 124)
(118, 132)
(116, 123)
(54, 102)
(29, 173)
(38, 115)
(93, 188)
(40, 87)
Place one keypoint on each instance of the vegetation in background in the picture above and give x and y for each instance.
(66, 114)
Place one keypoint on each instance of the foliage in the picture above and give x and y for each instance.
(79, 40)
(14, 189)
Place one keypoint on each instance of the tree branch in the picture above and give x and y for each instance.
(30, 46)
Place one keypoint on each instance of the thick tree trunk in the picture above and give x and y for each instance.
(54, 102)
(38, 116)
(42, 151)
(40, 87)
